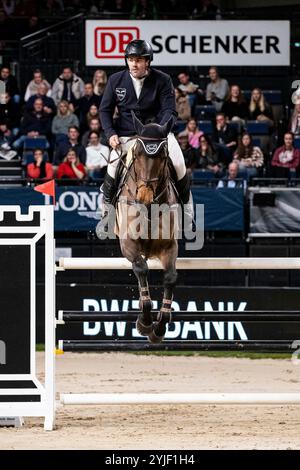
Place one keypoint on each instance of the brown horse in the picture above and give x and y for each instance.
(147, 182)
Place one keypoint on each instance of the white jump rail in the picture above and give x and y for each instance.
(179, 398)
(183, 263)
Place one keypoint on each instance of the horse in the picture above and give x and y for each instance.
(148, 181)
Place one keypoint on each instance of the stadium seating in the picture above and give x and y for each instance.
(205, 126)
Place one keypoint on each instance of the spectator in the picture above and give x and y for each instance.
(32, 87)
(72, 143)
(144, 10)
(40, 168)
(235, 107)
(193, 133)
(85, 103)
(51, 8)
(286, 159)
(183, 106)
(99, 82)
(231, 179)
(208, 10)
(10, 114)
(189, 88)
(217, 90)
(6, 139)
(118, 6)
(93, 113)
(189, 153)
(93, 9)
(48, 103)
(259, 109)
(225, 138)
(248, 157)
(294, 124)
(68, 87)
(94, 126)
(9, 7)
(31, 26)
(71, 167)
(6, 135)
(35, 123)
(207, 157)
(96, 156)
(63, 120)
(11, 85)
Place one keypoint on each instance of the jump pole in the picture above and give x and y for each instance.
(179, 398)
(183, 263)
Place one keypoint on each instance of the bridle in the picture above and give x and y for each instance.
(152, 150)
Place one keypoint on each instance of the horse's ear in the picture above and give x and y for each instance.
(138, 125)
(168, 126)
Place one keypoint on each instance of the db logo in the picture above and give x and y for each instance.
(110, 42)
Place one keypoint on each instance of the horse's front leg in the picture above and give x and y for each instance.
(168, 261)
(144, 321)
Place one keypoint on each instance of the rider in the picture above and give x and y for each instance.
(150, 94)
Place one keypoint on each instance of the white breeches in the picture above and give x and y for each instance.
(174, 152)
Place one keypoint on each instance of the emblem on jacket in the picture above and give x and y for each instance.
(121, 93)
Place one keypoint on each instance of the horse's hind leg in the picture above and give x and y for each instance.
(168, 260)
(144, 321)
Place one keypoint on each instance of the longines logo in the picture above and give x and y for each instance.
(2, 353)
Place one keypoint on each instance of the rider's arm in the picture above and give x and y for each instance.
(107, 108)
(167, 102)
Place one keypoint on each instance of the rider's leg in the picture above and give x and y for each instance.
(109, 187)
(183, 181)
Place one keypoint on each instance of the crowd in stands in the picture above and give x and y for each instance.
(56, 129)
(135, 9)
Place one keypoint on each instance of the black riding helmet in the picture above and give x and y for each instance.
(139, 48)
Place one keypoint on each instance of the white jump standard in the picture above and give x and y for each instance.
(21, 392)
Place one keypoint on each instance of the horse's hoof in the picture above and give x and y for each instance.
(157, 334)
(143, 330)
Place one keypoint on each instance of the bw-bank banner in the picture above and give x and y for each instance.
(189, 43)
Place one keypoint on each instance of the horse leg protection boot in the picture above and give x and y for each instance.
(108, 189)
(185, 196)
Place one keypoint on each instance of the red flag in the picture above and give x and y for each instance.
(47, 188)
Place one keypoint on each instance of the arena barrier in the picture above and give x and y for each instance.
(22, 394)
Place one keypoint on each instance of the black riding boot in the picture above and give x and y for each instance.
(185, 196)
(183, 188)
(109, 190)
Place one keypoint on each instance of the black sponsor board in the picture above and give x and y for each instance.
(15, 309)
(193, 299)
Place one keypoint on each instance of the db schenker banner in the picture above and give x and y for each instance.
(190, 43)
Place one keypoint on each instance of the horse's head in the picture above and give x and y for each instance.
(151, 154)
